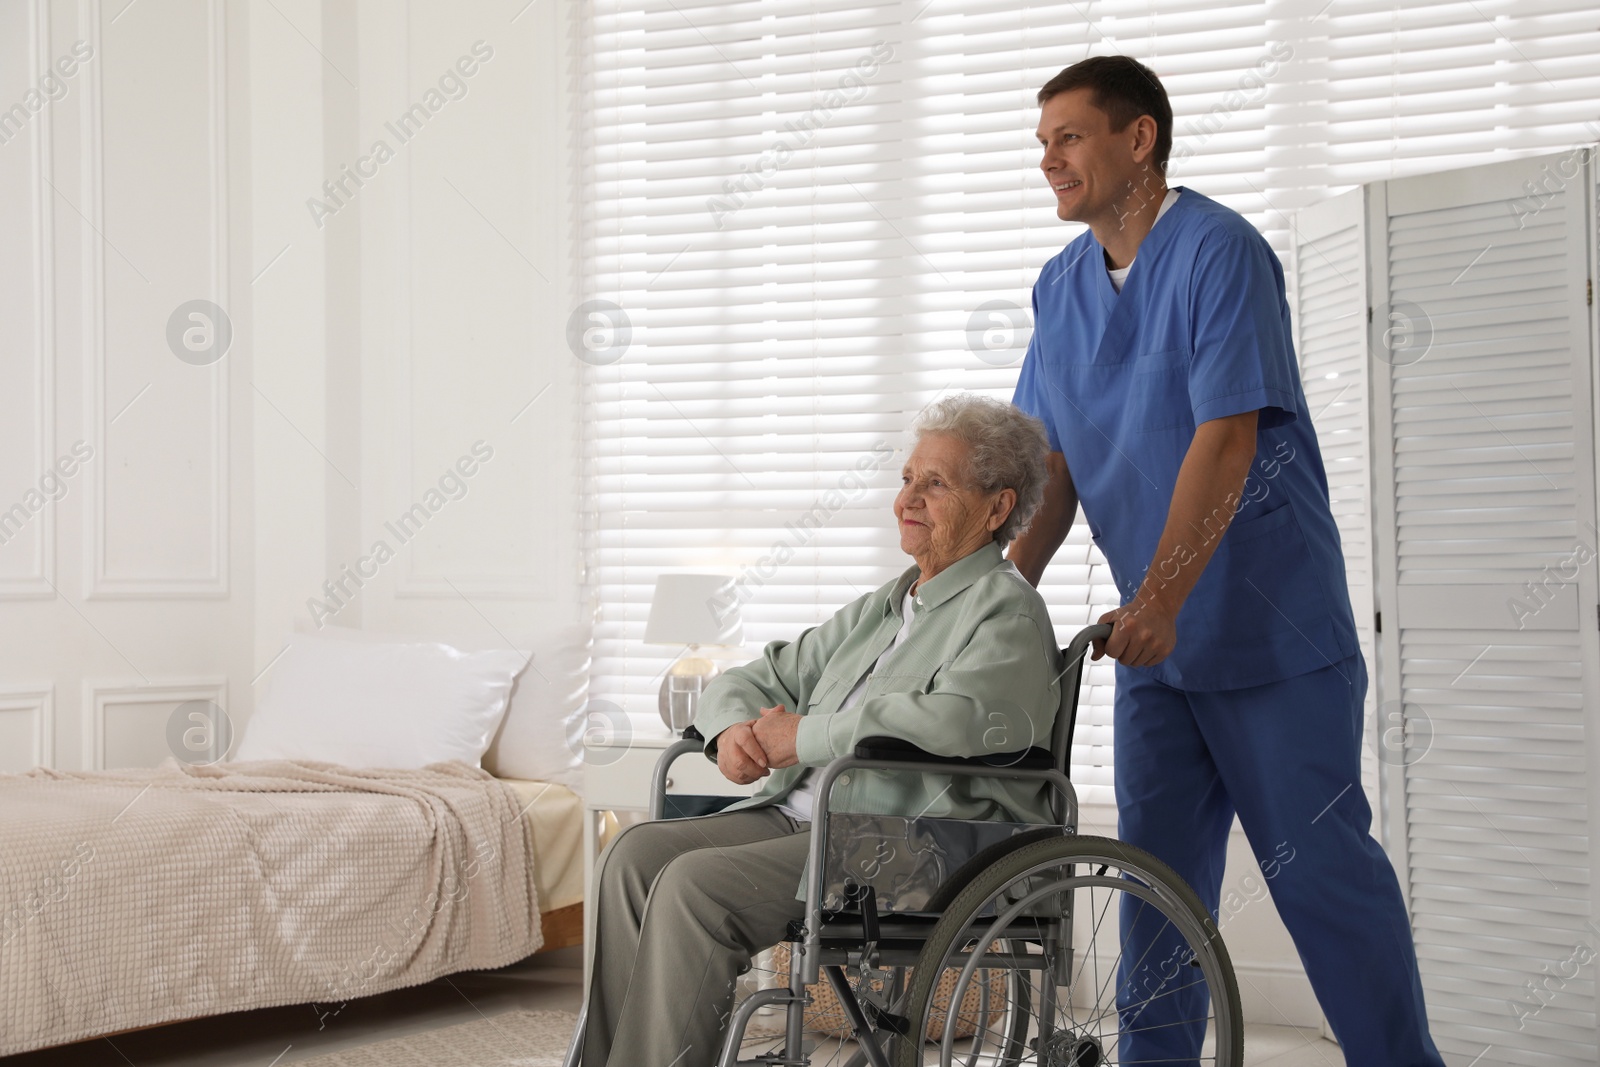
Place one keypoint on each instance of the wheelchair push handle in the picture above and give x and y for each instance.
(1082, 639)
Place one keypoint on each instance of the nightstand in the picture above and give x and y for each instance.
(617, 777)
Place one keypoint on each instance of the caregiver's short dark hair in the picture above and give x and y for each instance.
(1124, 89)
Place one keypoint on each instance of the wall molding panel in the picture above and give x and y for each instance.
(39, 581)
(414, 579)
(102, 579)
(104, 698)
(33, 703)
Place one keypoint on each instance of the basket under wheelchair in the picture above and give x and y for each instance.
(1003, 910)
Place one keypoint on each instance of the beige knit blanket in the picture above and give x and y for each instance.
(129, 898)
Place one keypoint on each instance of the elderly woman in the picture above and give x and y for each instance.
(956, 655)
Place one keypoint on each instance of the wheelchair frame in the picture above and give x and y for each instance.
(810, 959)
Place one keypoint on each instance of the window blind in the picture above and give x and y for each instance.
(801, 222)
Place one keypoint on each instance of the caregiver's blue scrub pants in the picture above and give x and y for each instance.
(1286, 757)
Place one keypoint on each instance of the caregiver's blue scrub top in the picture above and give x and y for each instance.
(1199, 331)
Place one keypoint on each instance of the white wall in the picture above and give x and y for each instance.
(368, 353)
(130, 594)
(463, 324)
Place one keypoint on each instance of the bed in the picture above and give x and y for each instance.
(133, 898)
(173, 893)
(555, 815)
(151, 896)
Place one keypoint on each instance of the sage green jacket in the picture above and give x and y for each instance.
(978, 674)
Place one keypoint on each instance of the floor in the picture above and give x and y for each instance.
(1264, 1046)
(275, 1037)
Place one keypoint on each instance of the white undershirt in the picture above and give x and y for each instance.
(798, 804)
(1119, 276)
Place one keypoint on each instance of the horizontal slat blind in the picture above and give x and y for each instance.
(1376, 89)
(1418, 87)
(816, 217)
(804, 233)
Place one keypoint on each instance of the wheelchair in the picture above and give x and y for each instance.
(979, 943)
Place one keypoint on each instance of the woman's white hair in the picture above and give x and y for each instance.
(1006, 450)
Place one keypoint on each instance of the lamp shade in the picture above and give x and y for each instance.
(694, 609)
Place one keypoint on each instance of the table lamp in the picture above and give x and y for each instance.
(693, 610)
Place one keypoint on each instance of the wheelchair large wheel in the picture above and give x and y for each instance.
(1054, 910)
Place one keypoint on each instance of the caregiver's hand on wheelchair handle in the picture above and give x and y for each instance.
(1143, 633)
(740, 757)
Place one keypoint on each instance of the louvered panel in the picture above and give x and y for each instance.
(1487, 475)
(1513, 712)
(1329, 260)
(1511, 509)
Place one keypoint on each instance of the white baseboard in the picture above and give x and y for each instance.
(1277, 994)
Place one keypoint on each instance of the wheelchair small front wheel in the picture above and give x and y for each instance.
(1121, 963)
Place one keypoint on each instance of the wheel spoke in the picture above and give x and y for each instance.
(1140, 963)
(1079, 1021)
(1146, 1002)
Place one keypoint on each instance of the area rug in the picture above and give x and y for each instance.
(511, 1039)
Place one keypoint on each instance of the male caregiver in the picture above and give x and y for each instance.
(1162, 367)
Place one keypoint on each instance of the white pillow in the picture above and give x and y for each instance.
(542, 735)
(387, 703)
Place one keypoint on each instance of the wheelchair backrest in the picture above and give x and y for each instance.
(1072, 658)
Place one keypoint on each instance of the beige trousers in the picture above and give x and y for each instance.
(681, 906)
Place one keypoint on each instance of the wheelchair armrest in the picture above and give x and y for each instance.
(692, 741)
(898, 750)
